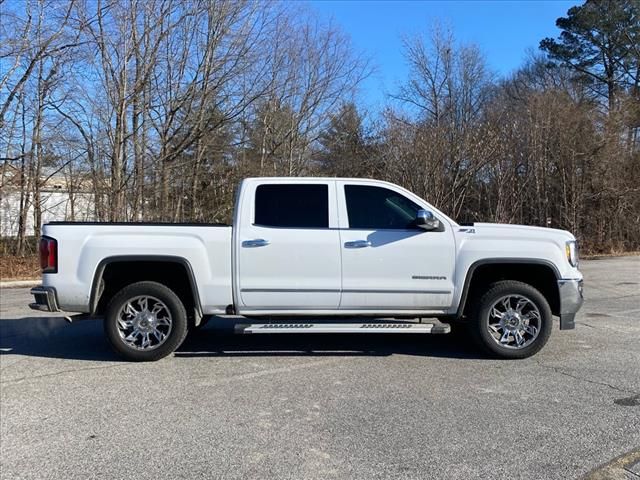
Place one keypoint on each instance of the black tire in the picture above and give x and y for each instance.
(479, 325)
(175, 335)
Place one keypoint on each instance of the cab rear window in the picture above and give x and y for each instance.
(292, 205)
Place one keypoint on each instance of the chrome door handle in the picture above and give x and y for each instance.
(358, 244)
(258, 242)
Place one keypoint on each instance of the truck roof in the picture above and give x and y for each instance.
(295, 179)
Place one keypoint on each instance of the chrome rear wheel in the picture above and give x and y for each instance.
(144, 322)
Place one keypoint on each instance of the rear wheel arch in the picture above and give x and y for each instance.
(540, 274)
(115, 273)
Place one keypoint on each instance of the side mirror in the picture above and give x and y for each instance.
(427, 221)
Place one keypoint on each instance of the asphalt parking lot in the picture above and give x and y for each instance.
(318, 407)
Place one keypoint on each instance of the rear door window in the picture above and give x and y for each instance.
(292, 205)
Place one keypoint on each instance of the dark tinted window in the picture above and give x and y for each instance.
(379, 208)
(293, 206)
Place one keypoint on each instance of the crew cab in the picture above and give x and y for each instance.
(335, 254)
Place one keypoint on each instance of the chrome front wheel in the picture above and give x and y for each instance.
(511, 319)
(514, 321)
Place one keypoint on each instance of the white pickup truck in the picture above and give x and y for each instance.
(327, 251)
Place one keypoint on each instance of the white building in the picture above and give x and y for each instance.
(57, 204)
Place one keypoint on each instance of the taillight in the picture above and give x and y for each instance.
(48, 255)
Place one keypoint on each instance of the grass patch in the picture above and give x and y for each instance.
(13, 267)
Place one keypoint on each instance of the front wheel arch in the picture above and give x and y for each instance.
(543, 275)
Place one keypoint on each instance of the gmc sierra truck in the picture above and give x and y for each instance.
(338, 255)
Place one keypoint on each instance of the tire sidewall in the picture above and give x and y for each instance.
(481, 320)
(165, 295)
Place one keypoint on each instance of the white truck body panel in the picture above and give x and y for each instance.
(489, 241)
(308, 271)
(402, 269)
(277, 276)
(81, 249)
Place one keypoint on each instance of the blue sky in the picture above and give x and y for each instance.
(504, 30)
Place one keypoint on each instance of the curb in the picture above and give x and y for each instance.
(623, 467)
(20, 283)
(606, 256)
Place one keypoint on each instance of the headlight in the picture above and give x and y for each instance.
(571, 249)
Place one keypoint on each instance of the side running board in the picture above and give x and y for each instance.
(432, 328)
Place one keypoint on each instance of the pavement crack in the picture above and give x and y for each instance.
(582, 379)
(617, 468)
(587, 325)
(61, 372)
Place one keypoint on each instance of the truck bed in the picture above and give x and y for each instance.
(146, 224)
(84, 247)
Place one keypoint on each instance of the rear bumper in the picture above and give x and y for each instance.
(571, 299)
(45, 299)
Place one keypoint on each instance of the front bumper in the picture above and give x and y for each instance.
(45, 299)
(571, 299)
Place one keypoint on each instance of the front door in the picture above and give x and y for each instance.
(387, 261)
(289, 257)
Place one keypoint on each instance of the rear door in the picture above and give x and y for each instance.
(388, 263)
(288, 254)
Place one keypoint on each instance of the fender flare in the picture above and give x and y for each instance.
(490, 261)
(96, 290)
